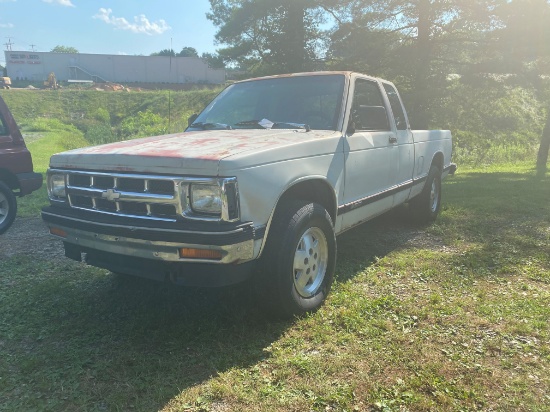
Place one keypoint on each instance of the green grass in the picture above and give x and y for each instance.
(450, 317)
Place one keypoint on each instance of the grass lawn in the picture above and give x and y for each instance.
(450, 317)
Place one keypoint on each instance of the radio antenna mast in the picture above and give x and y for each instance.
(169, 89)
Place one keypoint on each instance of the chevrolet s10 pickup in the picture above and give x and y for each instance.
(257, 187)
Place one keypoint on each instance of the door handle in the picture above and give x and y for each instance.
(393, 139)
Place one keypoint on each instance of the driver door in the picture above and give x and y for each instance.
(372, 160)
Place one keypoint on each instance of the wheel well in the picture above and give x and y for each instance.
(9, 179)
(315, 190)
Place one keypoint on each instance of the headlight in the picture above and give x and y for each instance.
(56, 186)
(206, 199)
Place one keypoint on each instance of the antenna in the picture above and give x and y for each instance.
(169, 89)
(32, 47)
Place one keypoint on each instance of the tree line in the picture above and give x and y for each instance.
(434, 50)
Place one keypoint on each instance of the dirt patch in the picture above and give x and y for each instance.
(30, 236)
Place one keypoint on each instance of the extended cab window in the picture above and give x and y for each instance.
(396, 107)
(368, 111)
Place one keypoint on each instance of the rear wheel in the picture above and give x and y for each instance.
(426, 206)
(299, 260)
(8, 207)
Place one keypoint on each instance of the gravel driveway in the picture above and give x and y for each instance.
(30, 235)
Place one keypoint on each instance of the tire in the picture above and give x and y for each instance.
(8, 207)
(426, 206)
(299, 260)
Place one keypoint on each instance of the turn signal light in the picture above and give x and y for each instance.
(58, 232)
(189, 253)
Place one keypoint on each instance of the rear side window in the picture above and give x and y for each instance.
(396, 107)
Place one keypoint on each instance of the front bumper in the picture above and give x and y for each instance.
(29, 182)
(451, 168)
(153, 251)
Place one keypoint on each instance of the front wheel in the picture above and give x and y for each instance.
(8, 207)
(426, 206)
(299, 260)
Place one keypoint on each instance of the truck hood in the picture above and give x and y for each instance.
(182, 153)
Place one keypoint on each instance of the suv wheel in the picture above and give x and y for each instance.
(8, 207)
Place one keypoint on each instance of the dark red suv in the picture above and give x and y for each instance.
(16, 174)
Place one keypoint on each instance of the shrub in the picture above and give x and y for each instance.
(100, 134)
(143, 124)
(101, 115)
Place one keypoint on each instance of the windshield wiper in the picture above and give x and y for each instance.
(250, 123)
(291, 125)
(266, 124)
(211, 126)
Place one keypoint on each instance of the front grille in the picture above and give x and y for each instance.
(104, 204)
(103, 182)
(127, 195)
(82, 202)
(154, 197)
(131, 185)
(80, 180)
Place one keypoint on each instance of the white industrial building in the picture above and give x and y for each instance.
(36, 66)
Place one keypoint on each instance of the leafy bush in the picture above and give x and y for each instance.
(100, 134)
(102, 115)
(49, 125)
(143, 124)
(492, 122)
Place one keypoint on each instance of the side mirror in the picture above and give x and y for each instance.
(192, 119)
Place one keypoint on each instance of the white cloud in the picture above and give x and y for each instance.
(66, 3)
(141, 24)
(6, 26)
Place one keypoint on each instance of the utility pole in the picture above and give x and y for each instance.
(8, 44)
(32, 47)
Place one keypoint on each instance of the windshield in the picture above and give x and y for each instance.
(301, 102)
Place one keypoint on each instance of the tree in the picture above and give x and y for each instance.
(3, 70)
(518, 51)
(270, 36)
(188, 52)
(165, 52)
(64, 49)
(215, 61)
(523, 49)
(418, 42)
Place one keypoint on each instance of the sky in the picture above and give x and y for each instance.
(133, 27)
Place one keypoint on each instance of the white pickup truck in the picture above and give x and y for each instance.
(258, 187)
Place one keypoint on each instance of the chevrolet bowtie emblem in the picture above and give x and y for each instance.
(110, 194)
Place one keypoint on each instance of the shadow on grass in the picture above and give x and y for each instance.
(504, 216)
(363, 245)
(76, 338)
